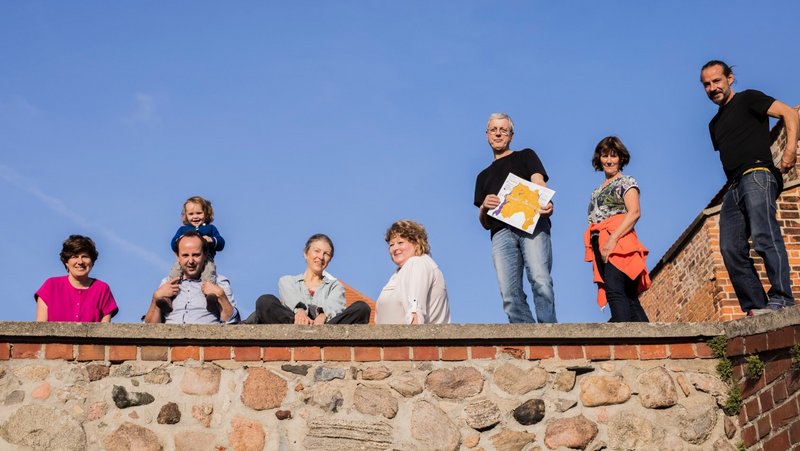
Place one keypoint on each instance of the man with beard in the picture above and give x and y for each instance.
(740, 132)
(195, 302)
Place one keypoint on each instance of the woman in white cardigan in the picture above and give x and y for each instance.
(416, 292)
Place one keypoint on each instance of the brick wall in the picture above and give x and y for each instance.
(690, 282)
(771, 403)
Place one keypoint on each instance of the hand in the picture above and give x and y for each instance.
(208, 238)
(491, 201)
(789, 159)
(302, 318)
(212, 288)
(168, 290)
(320, 319)
(608, 248)
(787, 165)
(414, 318)
(547, 210)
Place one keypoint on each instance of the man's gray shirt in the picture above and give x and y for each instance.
(190, 305)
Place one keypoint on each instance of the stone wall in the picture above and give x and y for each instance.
(690, 282)
(499, 387)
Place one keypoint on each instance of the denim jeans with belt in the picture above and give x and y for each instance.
(748, 209)
(514, 250)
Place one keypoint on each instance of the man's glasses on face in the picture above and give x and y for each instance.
(495, 131)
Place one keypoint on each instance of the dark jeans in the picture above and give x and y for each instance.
(621, 291)
(270, 310)
(748, 210)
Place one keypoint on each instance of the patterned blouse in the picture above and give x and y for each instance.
(609, 200)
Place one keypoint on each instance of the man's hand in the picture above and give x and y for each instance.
(212, 288)
(547, 210)
(301, 318)
(169, 289)
(491, 201)
(788, 162)
(320, 319)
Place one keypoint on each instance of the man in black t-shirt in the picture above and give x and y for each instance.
(740, 132)
(514, 250)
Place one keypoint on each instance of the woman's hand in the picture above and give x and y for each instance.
(301, 318)
(414, 318)
(320, 319)
(608, 248)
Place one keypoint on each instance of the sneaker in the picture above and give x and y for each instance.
(759, 311)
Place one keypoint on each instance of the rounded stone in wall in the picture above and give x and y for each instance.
(482, 414)
(44, 428)
(656, 389)
(263, 389)
(457, 383)
(603, 391)
(433, 428)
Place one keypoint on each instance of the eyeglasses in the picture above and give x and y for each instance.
(494, 131)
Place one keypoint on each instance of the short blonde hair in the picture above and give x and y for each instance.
(411, 231)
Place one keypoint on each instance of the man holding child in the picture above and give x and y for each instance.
(195, 301)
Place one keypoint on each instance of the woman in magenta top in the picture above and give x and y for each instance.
(76, 297)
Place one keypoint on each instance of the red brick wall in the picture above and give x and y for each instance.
(355, 353)
(771, 403)
(690, 282)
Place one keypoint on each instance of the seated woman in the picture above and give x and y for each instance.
(416, 292)
(611, 243)
(312, 297)
(76, 297)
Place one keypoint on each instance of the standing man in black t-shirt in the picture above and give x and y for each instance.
(512, 249)
(740, 132)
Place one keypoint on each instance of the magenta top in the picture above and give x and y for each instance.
(67, 303)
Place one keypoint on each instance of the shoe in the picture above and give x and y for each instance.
(164, 304)
(759, 311)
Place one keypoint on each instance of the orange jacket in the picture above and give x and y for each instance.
(629, 256)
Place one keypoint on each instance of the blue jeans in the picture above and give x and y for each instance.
(511, 250)
(748, 209)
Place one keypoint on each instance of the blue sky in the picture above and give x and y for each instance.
(342, 117)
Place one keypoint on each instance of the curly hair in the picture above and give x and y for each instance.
(411, 231)
(610, 145)
(76, 245)
(205, 204)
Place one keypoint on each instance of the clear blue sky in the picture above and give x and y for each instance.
(341, 117)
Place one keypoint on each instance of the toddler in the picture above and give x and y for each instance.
(197, 215)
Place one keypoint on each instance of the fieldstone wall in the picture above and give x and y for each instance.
(503, 387)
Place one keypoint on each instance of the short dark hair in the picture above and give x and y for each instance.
(726, 70)
(191, 233)
(76, 245)
(610, 145)
(318, 237)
